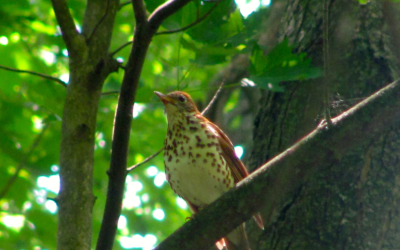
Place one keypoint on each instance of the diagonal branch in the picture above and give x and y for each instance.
(145, 160)
(22, 163)
(198, 20)
(164, 11)
(64, 18)
(124, 4)
(144, 31)
(120, 48)
(214, 97)
(280, 178)
(35, 74)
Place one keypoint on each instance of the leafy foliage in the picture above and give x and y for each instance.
(30, 40)
(280, 65)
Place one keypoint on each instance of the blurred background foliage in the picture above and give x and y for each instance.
(31, 109)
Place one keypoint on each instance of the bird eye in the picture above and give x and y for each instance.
(182, 98)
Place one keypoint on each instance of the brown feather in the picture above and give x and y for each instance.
(236, 166)
(181, 103)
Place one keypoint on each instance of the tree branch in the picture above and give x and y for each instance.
(139, 9)
(198, 20)
(164, 11)
(145, 160)
(144, 31)
(124, 4)
(120, 48)
(69, 33)
(35, 74)
(278, 179)
(214, 97)
(110, 93)
(22, 163)
(89, 66)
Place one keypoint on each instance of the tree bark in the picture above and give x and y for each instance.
(89, 65)
(352, 204)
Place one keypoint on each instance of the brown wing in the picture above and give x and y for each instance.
(236, 166)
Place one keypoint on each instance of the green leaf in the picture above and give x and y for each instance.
(280, 65)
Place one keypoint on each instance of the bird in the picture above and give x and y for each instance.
(200, 161)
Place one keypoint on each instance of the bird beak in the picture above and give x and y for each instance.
(164, 98)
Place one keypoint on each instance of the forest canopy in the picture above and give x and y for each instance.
(197, 49)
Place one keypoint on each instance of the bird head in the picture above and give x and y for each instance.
(176, 103)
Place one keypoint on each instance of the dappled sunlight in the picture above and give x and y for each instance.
(51, 206)
(37, 123)
(181, 203)
(158, 214)
(33, 108)
(131, 199)
(49, 183)
(122, 222)
(159, 179)
(247, 7)
(48, 57)
(14, 222)
(137, 109)
(145, 198)
(152, 171)
(146, 242)
(3, 40)
(64, 77)
(239, 151)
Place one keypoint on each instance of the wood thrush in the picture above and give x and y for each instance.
(200, 161)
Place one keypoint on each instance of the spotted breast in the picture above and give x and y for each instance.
(194, 165)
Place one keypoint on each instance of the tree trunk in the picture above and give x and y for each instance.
(89, 65)
(353, 203)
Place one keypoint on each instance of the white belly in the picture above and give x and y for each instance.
(199, 178)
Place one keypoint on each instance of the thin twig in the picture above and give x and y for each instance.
(164, 11)
(145, 160)
(124, 4)
(190, 25)
(67, 25)
(110, 93)
(214, 97)
(22, 163)
(121, 47)
(35, 74)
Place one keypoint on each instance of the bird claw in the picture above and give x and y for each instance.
(189, 218)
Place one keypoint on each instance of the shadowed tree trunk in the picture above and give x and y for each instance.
(89, 65)
(353, 204)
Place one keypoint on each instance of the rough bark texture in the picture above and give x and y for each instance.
(353, 204)
(89, 66)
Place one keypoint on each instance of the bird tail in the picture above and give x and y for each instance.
(259, 220)
(237, 239)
